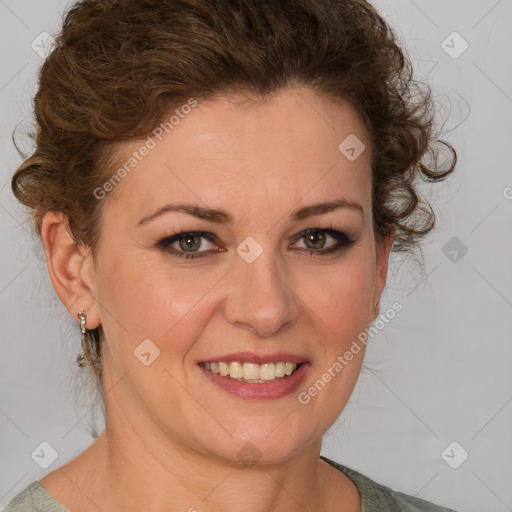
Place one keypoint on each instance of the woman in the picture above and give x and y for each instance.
(218, 187)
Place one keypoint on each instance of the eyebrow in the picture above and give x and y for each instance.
(223, 217)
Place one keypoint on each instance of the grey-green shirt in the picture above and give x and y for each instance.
(374, 497)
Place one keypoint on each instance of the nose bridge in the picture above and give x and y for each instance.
(259, 299)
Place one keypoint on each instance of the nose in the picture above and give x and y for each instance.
(259, 299)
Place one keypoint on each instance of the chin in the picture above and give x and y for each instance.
(263, 440)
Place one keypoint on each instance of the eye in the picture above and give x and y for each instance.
(184, 245)
(315, 241)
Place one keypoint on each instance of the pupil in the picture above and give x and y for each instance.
(319, 237)
(186, 242)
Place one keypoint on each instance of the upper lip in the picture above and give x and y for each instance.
(251, 357)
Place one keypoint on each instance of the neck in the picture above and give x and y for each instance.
(160, 476)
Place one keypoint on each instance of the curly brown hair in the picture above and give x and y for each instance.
(120, 66)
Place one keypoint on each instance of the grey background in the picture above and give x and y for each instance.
(440, 370)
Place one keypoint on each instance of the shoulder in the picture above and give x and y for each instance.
(379, 498)
(34, 498)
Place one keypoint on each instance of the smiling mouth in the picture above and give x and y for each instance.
(252, 372)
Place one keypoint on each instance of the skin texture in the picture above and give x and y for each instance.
(171, 436)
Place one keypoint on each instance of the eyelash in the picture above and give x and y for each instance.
(344, 242)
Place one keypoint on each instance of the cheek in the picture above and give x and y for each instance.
(341, 296)
(157, 300)
(340, 301)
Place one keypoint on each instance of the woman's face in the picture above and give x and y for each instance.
(253, 293)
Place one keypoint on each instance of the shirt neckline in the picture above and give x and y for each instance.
(370, 491)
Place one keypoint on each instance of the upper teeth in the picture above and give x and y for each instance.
(252, 371)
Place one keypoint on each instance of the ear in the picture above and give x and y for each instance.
(382, 259)
(71, 268)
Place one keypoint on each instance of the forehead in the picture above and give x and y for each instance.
(251, 152)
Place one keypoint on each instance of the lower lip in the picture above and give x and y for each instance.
(260, 391)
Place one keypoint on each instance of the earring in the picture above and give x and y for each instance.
(81, 360)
